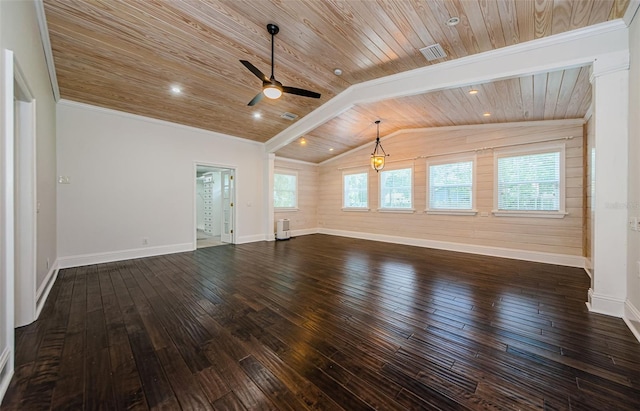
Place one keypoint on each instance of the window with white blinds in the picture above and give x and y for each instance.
(355, 193)
(285, 189)
(396, 189)
(451, 186)
(531, 181)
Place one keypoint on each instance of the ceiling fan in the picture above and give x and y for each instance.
(272, 88)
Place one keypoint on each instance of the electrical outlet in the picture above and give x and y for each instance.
(145, 241)
(633, 223)
(64, 180)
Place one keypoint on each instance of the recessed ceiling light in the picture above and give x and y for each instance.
(337, 71)
(331, 149)
(453, 21)
(303, 141)
(487, 114)
(473, 91)
(176, 89)
(257, 115)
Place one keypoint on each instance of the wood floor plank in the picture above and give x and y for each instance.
(323, 323)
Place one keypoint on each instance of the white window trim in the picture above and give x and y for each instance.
(364, 170)
(291, 173)
(451, 212)
(534, 148)
(457, 158)
(397, 210)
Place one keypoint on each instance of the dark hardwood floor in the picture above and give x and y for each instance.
(323, 323)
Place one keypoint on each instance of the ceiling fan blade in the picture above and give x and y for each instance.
(254, 70)
(256, 99)
(300, 92)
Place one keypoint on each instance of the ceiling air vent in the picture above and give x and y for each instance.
(288, 116)
(433, 52)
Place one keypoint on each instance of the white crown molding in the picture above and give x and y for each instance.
(292, 160)
(571, 49)
(46, 47)
(75, 104)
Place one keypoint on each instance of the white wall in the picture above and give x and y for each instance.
(133, 178)
(632, 309)
(19, 33)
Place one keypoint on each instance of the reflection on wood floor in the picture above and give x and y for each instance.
(205, 240)
(323, 323)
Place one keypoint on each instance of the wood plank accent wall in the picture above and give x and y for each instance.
(560, 236)
(307, 215)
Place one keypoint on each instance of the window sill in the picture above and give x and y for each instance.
(452, 212)
(357, 209)
(529, 214)
(285, 210)
(397, 210)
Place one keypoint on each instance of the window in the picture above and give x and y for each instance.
(450, 188)
(285, 189)
(395, 189)
(530, 183)
(355, 193)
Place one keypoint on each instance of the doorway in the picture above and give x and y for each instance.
(214, 206)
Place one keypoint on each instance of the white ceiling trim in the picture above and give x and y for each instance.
(571, 49)
(46, 48)
(293, 160)
(631, 11)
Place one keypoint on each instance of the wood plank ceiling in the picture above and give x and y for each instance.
(127, 54)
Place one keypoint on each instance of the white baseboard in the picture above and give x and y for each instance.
(536, 256)
(632, 318)
(250, 239)
(305, 231)
(6, 371)
(45, 288)
(605, 304)
(98, 258)
(588, 267)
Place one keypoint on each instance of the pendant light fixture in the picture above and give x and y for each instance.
(378, 155)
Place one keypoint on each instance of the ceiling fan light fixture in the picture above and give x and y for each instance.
(272, 91)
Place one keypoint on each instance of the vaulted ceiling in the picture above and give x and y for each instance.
(127, 54)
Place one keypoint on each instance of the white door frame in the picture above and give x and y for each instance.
(194, 193)
(227, 203)
(7, 254)
(25, 201)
